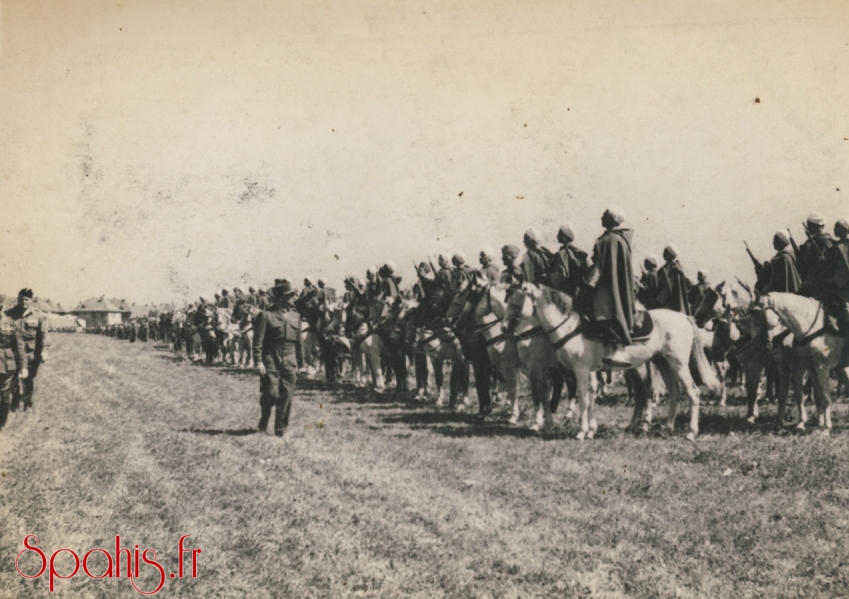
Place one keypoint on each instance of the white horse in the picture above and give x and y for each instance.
(525, 349)
(673, 340)
(818, 348)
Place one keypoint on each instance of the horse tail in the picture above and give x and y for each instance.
(702, 366)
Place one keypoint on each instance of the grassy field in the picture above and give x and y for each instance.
(370, 497)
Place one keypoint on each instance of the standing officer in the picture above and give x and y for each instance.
(33, 325)
(13, 361)
(277, 341)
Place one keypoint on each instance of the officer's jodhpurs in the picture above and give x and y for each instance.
(277, 385)
(23, 389)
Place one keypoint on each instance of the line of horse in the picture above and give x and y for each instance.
(535, 331)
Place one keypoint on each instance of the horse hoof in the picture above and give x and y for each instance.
(580, 436)
(569, 414)
(513, 419)
(535, 427)
(750, 419)
(800, 427)
(591, 435)
(691, 436)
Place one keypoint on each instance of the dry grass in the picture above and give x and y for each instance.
(370, 497)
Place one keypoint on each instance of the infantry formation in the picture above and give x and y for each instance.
(557, 316)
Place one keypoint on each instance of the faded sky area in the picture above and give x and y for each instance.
(156, 150)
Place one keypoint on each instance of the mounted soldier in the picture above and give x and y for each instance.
(612, 282)
(488, 269)
(461, 272)
(811, 256)
(673, 283)
(782, 274)
(697, 292)
(512, 273)
(537, 260)
(647, 288)
(388, 282)
(570, 268)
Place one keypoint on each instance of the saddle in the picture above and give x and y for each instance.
(602, 331)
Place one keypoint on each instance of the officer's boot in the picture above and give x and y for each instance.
(4, 412)
(265, 414)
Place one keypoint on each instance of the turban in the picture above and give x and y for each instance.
(488, 252)
(372, 270)
(782, 237)
(533, 234)
(237, 288)
(703, 274)
(320, 282)
(389, 267)
(566, 231)
(25, 292)
(671, 249)
(510, 250)
(843, 222)
(616, 214)
(424, 268)
(224, 291)
(307, 280)
(282, 287)
(458, 258)
(815, 218)
(651, 260)
(445, 257)
(204, 298)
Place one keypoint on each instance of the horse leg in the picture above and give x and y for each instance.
(590, 411)
(572, 387)
(558, 379)
(670, 380)
(538, 378)
(753, 368)
(635, 382)
(823, 397)
(583, 377)
(721, 370)
(439, 379)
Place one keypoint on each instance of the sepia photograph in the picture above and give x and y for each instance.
(490, 299)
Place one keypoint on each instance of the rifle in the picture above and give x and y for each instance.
(793, 243)
(758, 266)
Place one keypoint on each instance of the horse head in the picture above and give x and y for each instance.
(707, 309)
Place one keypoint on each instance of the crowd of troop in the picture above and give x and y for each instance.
(266, 329)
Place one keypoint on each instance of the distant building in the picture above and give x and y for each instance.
(101, 312)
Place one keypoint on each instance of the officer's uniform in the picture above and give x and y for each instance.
(13, 357)
(33, 325)
(277, 341)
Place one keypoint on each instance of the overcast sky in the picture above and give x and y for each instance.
(157, 150)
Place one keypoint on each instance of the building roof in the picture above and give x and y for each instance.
(97, 304)
(122, 304)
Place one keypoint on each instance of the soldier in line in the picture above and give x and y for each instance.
(13, 361)
(571, 265)
(205, 321)
(612, 282)
(781, 273)
(673, 284)
(512, 273)
(811, 257)
(34, 326)
(277, 339)
(536, 263)
(647, 288)
(488, 269)
(697, 291)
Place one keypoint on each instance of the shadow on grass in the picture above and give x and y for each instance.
(240, 432)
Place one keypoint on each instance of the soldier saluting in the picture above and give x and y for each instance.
(277, 343)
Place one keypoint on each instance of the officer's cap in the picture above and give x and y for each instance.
(282, 287)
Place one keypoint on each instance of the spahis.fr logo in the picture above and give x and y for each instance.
(133, 559)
